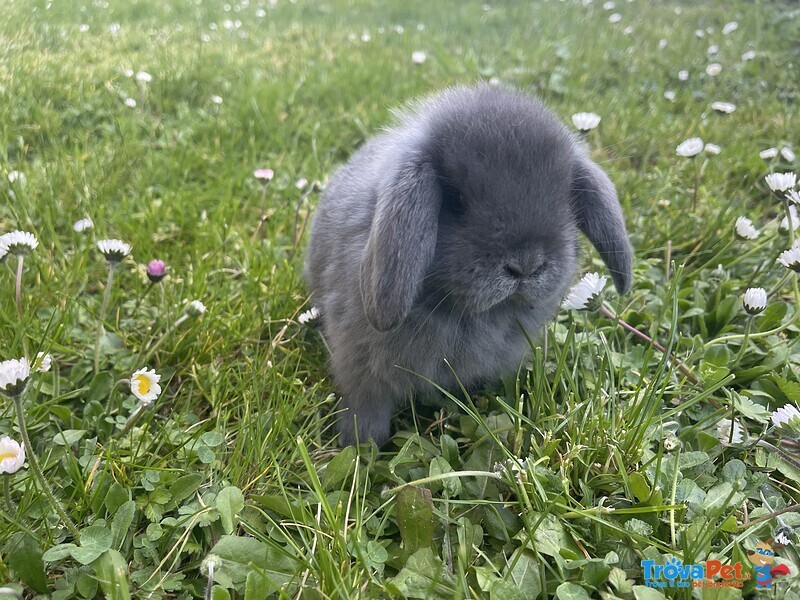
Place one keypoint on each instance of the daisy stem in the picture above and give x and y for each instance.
(20, 260)
(684, 369)
(103, 309)
(789, 220)
(37, 472)
(745, 340)
(142, 297)
(7, 493)
(166, 334)
(696, 184)
(210, 583)
(780, 284)
(760, 334)
(137, 412)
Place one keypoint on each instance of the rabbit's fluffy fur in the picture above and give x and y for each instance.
(448, 239)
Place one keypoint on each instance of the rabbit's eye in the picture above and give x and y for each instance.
(453, 202)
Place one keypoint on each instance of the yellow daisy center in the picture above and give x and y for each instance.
(8, 455)
(143, 384)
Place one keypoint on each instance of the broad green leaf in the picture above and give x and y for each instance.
(425, 576)
(524, 573)
(112, 574)
(414, 512)
(256, 586)
(719, 497)
(449, 450)
(440, 466)
(212, 438)
(595, 572)
(571, 591)
(639, 486)
(240, 554)
(734, 472)
(619, 579)
(505, 590)
(182, 488)
(638, 527)
(69, 437)
(470, 537)
(220, 593)
(718, 355)
(229, 502)
(116, 497)
(642, 592)
(95, 540)
(338, 469)
(58, 552)
(25, 559)
(121, 523)
(86, 585)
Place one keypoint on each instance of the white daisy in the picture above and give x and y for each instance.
(713, 69)
(144, 385)
(14, 374)
(19, 243)
(3, 251)
(755, 300)
(670, 95)
(712, 50)
(691, 147)
(787, 154)
(144, 77)
(780, 182)
(418, 57)
(729, 432)
(683, 75)
(712, 149)
(723, 107)
(791, 258)
(216, 99)
(662, 43)
(82, 225)
(745, 230)
(43, 362)
(195, 308)
(768, 153)
(782, 537)
(784, 416)
(615, 18)
(264, 174)
(130, 102)
(17, 176)
(730, 27)
(301, 183)
(795, 220)
(114, 250)
(585, 292)
(310, 315)
(609, 5)
(749, 55)
(585, 121)
(12, 455)
(793, 196)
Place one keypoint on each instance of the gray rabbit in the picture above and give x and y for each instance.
(445, 240)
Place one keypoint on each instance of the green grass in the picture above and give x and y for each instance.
(617, 451)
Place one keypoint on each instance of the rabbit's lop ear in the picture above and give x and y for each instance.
(401, 242)
(600, 218)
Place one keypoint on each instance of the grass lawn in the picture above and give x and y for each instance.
(605, 453)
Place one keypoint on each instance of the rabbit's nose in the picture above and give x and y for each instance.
(515, 270)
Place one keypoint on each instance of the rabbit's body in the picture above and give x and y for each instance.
(446, 241)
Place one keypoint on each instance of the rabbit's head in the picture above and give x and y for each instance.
(483, 207)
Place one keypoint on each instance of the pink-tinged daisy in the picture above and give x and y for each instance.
(264, 174)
